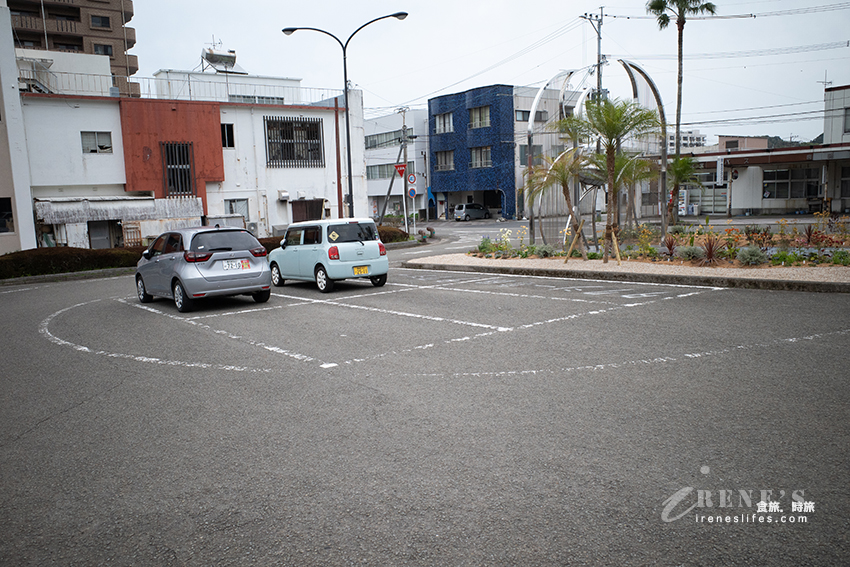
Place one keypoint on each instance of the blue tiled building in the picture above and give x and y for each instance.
(472, 150)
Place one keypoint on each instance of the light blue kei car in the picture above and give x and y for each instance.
(327, 251)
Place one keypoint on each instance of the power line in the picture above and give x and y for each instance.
(750, 53)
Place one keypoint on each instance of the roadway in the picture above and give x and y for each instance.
(444, 419)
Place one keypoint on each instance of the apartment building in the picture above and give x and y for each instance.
(96, 27)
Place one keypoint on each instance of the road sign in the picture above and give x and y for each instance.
(411, 192)
(411, 178)
(400, 167)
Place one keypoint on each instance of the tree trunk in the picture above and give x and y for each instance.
(575, 222)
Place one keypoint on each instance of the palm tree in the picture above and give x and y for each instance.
(680, 171)
(662, 9)
(629, 169)
(612, 122)
(561, 172)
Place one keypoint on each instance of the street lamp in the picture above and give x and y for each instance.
(290, 31)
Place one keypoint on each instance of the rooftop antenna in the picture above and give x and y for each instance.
(824, 82)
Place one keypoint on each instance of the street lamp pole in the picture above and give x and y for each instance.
(344, 46)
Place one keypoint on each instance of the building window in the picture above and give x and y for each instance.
(236, 207)
(481, 157)
(383, 140)
(731, 144)
(294, 142)
(805, 183)
(178, 162)
(67, 47)
(846, 120)
(227, 136)
(445, 161)
(539, 116)
(443, 123)
(100, 22)
(96, 142)
(845, 182)
(777, 184)
(102, 49)
(7, 219)
(385, 170)
(479, 117)
(523, 155)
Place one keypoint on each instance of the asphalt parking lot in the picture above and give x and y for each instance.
(444, 419)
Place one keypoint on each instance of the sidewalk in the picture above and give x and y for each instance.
(829, 279)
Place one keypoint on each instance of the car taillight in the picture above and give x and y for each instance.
(259, 252)
(382, 248)
(196, 256)
(333, 253)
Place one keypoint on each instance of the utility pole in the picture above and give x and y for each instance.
(402, 151)
(403, 111)
(596, 22)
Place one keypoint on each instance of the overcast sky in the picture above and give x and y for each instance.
(765, 74)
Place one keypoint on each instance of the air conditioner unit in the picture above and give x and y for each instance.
(283, 195)
(253, 227)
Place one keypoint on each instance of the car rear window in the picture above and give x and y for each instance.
(352, 232)
(224, 240)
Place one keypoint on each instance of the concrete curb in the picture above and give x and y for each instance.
(708, 281)
(114, 272)
(70, 276)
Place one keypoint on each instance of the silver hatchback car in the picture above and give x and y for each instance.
(326, 251)
(191, 263)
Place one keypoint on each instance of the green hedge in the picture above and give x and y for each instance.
(60, 260)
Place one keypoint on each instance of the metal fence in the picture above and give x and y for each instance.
(175, 87)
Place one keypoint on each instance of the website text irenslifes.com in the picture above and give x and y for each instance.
(750, 519)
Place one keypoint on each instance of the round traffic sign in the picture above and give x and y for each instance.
(411, 192)
(411, 178)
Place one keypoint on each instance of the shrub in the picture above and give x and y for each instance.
(712, 247)
(594, 256)
(545, 251)
(841, 257)
(670, 244)
(65, 259)
(691, 253)
(486, 246)
(392, 234)
(751, 256)
(678, 229)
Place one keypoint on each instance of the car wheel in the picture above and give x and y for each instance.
(378, 281)
(324, 283)
(183, 302)
(486, 215)
(466, 218)
(144, 296)
(276, 279)
(262, 296)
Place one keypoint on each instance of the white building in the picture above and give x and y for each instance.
(384, 151)
(690, 139)
(85, 167)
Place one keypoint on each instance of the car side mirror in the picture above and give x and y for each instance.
(283, 243)
(147, 254)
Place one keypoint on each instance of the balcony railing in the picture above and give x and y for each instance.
(41, 80)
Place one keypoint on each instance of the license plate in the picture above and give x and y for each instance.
(361, 270)
(236, 264)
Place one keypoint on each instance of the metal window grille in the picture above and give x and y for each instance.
(178, 159)
(294, 142)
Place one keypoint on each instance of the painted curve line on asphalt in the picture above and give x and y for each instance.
(44, 330)
(686, 357)
(522, 327)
